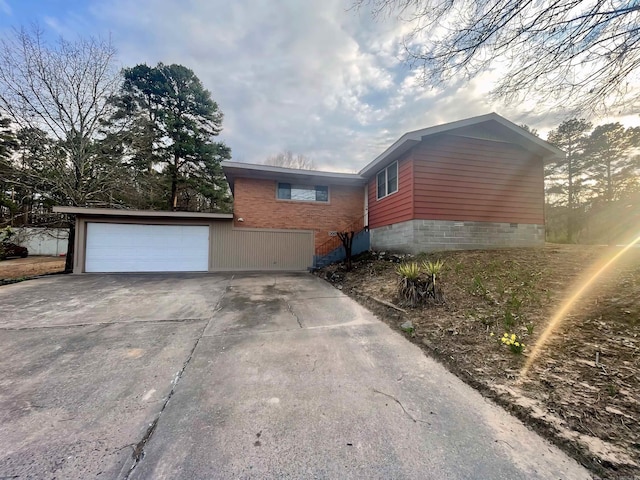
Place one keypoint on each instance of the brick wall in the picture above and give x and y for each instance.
(255, 201)
(417, 236)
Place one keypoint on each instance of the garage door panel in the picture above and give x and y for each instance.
(114, 247)
(262, 249)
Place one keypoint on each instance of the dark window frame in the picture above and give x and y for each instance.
(321, 192)
(385, 171)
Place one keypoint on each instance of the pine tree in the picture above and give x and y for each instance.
(612, 169)
(564, 179)
(7, 146)
(610, 163)
(172, 120)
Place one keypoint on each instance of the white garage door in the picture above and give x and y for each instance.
(121, 247)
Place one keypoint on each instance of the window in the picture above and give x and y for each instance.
(303, 193)
(387, 180)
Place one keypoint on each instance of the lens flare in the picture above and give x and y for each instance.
(586, 282)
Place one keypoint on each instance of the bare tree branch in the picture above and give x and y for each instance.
(62, 90)
(287, 159)
(579, 55)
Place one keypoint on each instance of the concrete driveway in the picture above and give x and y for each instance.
(236, 376)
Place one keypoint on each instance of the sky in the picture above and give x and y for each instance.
(311, 76)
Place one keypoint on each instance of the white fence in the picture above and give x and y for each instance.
(42, 241)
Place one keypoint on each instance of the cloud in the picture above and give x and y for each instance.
(287, 74)
(5, 8)
(310, 77)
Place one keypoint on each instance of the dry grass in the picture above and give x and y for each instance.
(591, 409)
(30, 267)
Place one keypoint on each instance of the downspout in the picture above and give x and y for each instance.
(366, 204)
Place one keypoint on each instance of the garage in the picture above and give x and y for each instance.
(111, 240)
(123, 247)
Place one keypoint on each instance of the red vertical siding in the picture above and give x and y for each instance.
(459, 178)
(397, 207)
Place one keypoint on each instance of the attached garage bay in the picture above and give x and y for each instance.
(126, 247)
(111, 241)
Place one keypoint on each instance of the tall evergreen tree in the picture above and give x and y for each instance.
(40, 168)
(612, 170)
(171, 120)
(7, 139)
(8, 144)
(609, 160)
(564, 176)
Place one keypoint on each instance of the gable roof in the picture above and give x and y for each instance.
(233, 170)
(491, 126)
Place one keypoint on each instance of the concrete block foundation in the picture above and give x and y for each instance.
(415, 236)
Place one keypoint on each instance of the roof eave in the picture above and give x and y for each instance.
(233, 170)
(404, 144)
(410, 139)
(116, 212)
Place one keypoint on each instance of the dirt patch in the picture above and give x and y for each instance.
(583, 391)
(19, 268)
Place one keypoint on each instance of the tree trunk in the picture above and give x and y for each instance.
(68, 264)
(174, 195)
(174, 184)
(609, 184)
(570, 215)
(347, 242)
(609, 223)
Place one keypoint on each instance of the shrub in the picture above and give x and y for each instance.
(413, 288)
(433, 270)
(409, 287)
(6, 234)
(410, 270)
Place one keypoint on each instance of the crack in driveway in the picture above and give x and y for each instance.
(138, 448)
(294, 314)
(93, 324)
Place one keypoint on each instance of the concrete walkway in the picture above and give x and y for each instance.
(245, 376)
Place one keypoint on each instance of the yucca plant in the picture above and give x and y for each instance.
(409, 270)
(409, 284)
(433, 270)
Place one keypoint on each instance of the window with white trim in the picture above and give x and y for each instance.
(303, 193)
(387, 180)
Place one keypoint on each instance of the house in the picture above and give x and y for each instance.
(285, 198)
(474, 183)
